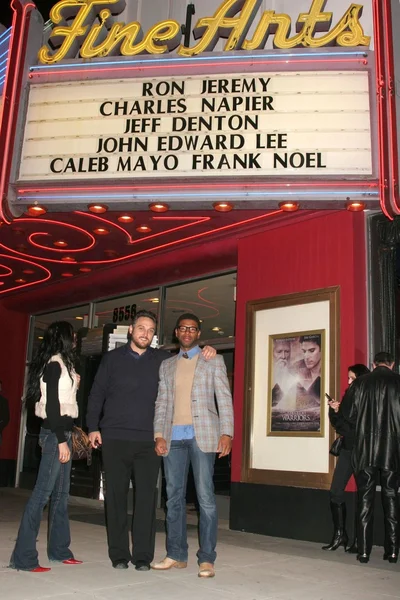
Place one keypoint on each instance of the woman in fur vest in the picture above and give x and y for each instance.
(52, 379)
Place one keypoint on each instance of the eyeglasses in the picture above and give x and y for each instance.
(183, 329)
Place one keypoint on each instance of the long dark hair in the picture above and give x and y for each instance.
(358, 369)
(57, 339)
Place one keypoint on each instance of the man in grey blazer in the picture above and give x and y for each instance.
(190, 427)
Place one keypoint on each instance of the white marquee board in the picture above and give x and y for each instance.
(275, 124)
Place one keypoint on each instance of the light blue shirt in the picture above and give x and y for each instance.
(185, 432)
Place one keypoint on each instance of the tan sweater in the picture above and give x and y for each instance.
(183, 390)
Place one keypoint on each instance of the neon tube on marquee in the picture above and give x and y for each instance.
(92, 33)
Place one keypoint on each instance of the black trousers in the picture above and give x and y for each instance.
(124, 461)
(343, 472)
(367, 480)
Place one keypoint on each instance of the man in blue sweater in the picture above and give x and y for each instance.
(120, 418)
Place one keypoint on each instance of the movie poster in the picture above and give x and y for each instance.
(295, 383)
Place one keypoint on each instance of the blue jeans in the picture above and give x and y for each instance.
(52, 483)
(176, 466)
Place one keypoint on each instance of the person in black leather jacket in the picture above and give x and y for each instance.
(372, 406)
(343, 470)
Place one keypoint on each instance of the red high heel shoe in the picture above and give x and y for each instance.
(40, 569)
(72, 561)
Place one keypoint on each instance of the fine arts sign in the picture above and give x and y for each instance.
(87, 30)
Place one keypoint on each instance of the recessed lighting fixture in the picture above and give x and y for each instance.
(20, 280)
(69, 259)
(40, 337)
(85, 270)
(158, 207)
(35, 210)
(154, 300)
(289, 206)
(98, 209)
(355, 206)
(230, 336)
(101, 231)
(79, 318)
(67, 274)
(216, 329)
(60, 243)
(125, 219)
(143, 229)
(223, 206)
(28, 272)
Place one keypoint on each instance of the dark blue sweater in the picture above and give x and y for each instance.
(122, 399)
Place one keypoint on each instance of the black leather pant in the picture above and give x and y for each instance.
(367, 480)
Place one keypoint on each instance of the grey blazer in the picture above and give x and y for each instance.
(210, 381)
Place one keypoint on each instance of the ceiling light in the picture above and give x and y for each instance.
(34, 210)
(20, 280)
(69, 259)
(40, 337)
(216, 329)
(355, 206)
(79, 318)
(223, 206)
(28, 272)
(143, 229)
(289, 206)
(154, 300)
(67, 274)
(101, 231)
(158, 207)
(125, 219)
(60, 243)
(98, 209)
(85, 270)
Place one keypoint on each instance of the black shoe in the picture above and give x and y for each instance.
(142, 565)
(392, 558)
(120, 564)
(363, 558)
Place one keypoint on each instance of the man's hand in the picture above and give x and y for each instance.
(208, 352)
(161, 447)
(224, 445)
(64, 453)
(95, 439)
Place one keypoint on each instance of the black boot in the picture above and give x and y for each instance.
(340, 537)
(353, 549)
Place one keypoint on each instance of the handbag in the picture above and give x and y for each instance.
(81, 446)
(336, 446)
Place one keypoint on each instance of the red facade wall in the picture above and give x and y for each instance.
(14, 332)
(323, 251)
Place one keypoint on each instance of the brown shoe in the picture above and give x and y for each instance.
(206, 570)
(169, 563)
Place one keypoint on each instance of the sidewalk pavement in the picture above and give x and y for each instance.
(248, 567)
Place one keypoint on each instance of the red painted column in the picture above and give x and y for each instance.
(323, 251)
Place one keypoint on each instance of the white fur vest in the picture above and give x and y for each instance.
(66, 392)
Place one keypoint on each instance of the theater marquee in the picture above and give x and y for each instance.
(276, 124)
